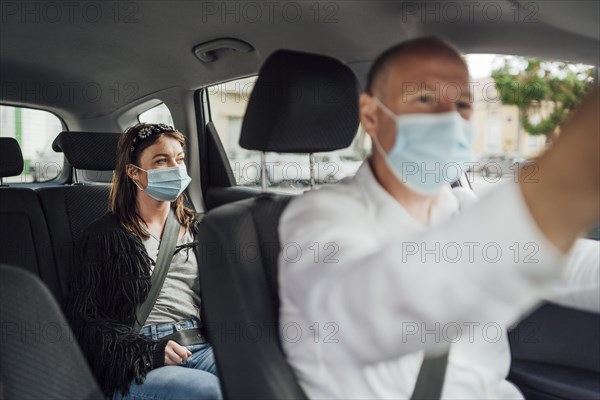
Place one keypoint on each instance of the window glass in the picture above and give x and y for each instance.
(514, 103)
(288, 173)
(34, 130)
(159, 114)
(504, 137)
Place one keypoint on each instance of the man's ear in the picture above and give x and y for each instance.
(368, 114)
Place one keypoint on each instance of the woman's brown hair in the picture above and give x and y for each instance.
(123, 191)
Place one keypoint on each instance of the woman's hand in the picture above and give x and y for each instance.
(175, 353)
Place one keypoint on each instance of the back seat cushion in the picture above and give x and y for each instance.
(69, 210)
(24, 237)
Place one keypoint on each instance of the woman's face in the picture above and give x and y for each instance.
(165, 152)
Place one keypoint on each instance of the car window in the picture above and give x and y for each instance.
(288, 173)
(156, 115)
(514, 102)
(504, 141)
(34, 130)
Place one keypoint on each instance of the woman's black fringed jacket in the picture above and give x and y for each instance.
(107, 283)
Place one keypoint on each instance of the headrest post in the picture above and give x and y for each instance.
(263, 172)
(1, 181)
(311, 161)
(75, 177)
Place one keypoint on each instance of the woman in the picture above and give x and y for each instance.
(113, 278)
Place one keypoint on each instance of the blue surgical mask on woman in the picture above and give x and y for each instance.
(431, 150)
(166, 184)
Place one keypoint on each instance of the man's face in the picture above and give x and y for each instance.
(424, 84)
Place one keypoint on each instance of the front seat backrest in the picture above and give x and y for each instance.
(301, 103)
(39, 357)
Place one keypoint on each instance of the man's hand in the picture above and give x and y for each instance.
(564, 199)
(175, 353)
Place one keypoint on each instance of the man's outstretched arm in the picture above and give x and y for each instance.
(376, 287)
(564, 199)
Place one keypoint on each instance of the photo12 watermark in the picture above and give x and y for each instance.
(470, 11)
(71, 12)
(65, 92)
(487, 92)
(289, 332)
(451, 172)
(270, 12)
(30, 332)
(469, 252)
(255, 252)
(451, 332)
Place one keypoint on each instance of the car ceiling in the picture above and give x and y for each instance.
(145, 47)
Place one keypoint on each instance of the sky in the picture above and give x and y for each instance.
(480, 65)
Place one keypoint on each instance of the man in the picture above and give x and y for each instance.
(386, 274)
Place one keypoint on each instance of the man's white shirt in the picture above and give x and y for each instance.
(366, 289)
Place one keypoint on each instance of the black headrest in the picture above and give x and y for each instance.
(88, 150)
(301, 103)
(11, 158)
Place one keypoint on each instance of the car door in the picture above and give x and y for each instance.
(556, 352)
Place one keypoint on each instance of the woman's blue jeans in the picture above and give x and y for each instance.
(195, 378)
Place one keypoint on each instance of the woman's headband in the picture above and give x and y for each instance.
(147, 131)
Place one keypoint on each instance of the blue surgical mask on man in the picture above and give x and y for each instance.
(431, 150)
(166, 184)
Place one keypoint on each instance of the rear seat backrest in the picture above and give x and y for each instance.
(24, 235)
(70, 209)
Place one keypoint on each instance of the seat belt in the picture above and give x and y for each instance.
(430, 380)
(166, 249)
